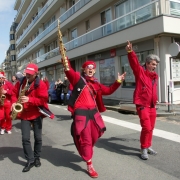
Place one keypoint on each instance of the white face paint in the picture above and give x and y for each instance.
(90, 70)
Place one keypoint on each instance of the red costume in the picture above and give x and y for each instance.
(6, 121)
(85, 103)
(145, 98)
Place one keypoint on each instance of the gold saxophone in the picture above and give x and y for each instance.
(62, 49)
(2, 96)
(18, 107)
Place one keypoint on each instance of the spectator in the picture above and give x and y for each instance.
(65, 89)
(58, 87)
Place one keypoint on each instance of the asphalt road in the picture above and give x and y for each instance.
(116, 154)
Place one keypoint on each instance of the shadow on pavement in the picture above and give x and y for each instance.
(114, 144)
(8, 152)
(60, 157)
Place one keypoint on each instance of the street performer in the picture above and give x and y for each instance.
(85, 104)
(6, 88)
(145, 97)
(35, 96)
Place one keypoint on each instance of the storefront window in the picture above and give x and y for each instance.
(107, 71)
(129, 81)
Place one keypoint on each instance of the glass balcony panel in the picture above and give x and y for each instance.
(175, 8)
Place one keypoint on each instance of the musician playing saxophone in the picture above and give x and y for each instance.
(36, 95)
(5, 104)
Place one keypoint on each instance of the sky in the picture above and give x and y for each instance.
(7, 15)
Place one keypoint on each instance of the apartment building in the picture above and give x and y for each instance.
(9, 64)
(98, 30)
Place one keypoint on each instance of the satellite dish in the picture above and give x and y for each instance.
(174, 49)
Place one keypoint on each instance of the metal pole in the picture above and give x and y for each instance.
(168, 100)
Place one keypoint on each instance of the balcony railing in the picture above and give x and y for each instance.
(139, 15)
(35, 19)
(25, 14)
(39, 37)
(20, 7)
(73, 9)
(175, 7)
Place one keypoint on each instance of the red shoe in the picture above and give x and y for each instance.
(91, 171)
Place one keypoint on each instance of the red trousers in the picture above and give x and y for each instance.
(147, 120)
(6, 121)
(86, 140)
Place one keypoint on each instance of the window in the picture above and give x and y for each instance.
(129, 81)
(105, 18)
(12, 46)
(107, 71)
(87, 25)
(73, 36)
(12, 37)
(13, 58)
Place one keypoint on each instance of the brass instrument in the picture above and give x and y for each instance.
(62, 49)
(18, 107)
(2, 96)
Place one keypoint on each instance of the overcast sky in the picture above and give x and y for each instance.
(7, 15)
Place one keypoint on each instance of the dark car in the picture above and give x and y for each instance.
(52, 94)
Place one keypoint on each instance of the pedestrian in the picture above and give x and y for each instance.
(65, 89)
(19, 75)
(6, 88)
(34, 99)
(58, 88)
(14, 80)
(85, 104)
(145, 97)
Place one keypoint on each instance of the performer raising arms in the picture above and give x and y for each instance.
(6, 88)
(145, 97)
(35, 96)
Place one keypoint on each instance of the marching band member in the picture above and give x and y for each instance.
(85, 104)
(5, 104)
(145, 97)
(35, 96)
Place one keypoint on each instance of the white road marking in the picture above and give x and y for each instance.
(157, 132)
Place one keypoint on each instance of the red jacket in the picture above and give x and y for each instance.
(38, 96)
(100, 89)
(8, 87)
(146, 88)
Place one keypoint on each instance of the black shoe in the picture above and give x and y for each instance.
(37, 162)
(28, 166)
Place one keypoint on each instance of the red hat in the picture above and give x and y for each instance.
(31, 69)
(2, 75)
(88, 63)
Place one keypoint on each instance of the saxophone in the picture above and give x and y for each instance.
(18, 107)
(2, 96)
(62, 49)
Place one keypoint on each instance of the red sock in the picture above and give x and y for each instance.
(89, 162)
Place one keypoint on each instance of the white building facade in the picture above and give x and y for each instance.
(99, 30)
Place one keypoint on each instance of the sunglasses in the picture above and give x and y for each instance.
(90, 66)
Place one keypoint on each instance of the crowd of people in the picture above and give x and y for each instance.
(85, 104)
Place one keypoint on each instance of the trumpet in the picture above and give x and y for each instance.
(62, 49)
(18, 107)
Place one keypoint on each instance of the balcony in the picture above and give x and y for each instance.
(73, 9)
(40, 13)
(137, 16)
(25, 14)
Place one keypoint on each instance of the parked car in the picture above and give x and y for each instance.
(52, 97)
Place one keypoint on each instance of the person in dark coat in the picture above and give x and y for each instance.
(65, 89)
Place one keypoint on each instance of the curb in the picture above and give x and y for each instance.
(159, 114)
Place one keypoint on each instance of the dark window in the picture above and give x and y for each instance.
(12, 46)
(12, 37)
(13, 58)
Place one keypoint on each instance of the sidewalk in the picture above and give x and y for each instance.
(128, 108)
